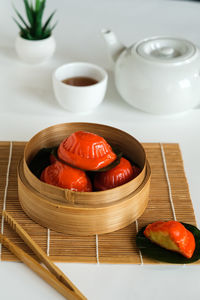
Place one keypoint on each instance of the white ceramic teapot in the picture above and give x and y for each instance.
(160, 75)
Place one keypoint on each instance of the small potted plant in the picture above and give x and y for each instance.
(35, 42)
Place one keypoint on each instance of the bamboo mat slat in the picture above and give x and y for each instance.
(117, 247)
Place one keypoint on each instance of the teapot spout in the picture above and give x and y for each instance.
(115, 47)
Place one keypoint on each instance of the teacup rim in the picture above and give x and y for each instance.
(90, 65)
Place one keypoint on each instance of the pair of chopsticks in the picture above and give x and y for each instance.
(52, 275)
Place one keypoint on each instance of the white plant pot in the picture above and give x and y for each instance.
(35, 52)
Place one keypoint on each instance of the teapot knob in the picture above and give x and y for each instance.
(167, 51)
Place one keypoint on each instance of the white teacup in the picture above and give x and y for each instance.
(79, 98)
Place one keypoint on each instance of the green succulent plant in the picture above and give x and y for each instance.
(33, 29)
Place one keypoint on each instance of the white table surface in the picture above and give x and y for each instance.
(27, 105)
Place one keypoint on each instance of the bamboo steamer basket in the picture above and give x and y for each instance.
(53, 135)
(83, 213)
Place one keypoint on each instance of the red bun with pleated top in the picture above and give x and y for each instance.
(171, 235)
(64, 176)
(86, 151)
(120, 174)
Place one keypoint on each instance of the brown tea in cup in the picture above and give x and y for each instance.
(80, 81)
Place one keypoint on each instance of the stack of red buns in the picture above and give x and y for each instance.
(84, 151)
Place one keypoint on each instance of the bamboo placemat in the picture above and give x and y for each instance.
(169, 199)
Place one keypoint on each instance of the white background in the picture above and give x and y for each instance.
(27, 105)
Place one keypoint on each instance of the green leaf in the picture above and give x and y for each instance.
(19, 25)
(29, 12)
(42, 7)
(26, 35)
(48, 21)
(46, 34)
(20, 17)
(37, 5)
(31, 6)
(156, 252)
(34, 30)
(40, 161)
(54, 151)
(48, 31)
(52, 28)
(38, 19)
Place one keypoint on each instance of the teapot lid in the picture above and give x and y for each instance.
(165, 49)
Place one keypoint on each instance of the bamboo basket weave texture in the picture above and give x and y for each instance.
(117, 247)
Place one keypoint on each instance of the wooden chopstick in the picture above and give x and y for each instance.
(60, 276)
(39, 269)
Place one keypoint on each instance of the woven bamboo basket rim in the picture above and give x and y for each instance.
(75, 206)
(72, 196)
